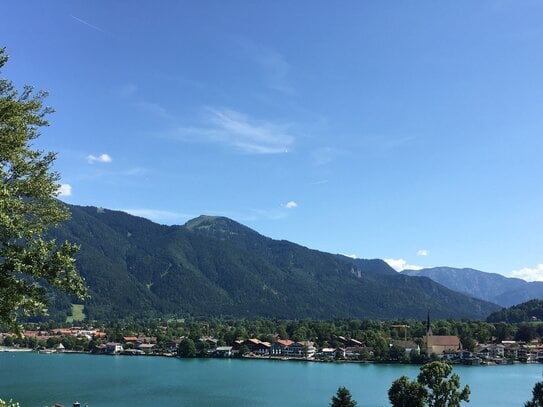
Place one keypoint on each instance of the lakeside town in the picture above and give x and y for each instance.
(346, 349)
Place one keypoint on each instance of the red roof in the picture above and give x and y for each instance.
(443, 340)
(285, 342)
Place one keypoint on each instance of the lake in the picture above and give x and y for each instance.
(38, 380)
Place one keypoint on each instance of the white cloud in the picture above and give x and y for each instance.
(422, 252)
(241, 132)
(352, 256)
(64, 190)
(529, 273)
(159, 216)
(291, 205)
(102, 158)
(401, 264)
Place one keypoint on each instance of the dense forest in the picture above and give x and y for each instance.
(528, 311)
(215, 267)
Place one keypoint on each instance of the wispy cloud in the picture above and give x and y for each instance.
(320, 182)
(273, 64)
(401, 264)
(291, 205)
(529, 273)
(159, 216)
(422, 252)
(64, 190)
(324, 155)
(102, 158)
(155, 109)
(88, 24)
(136, 171)
(128, 89)
(241, 132)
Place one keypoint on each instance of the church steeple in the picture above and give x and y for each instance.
(428, 325)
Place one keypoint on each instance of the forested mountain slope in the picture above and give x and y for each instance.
(213, 266)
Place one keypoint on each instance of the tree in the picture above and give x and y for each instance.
(396, 353)
(404, 393)
(28, 208)
(442, 390)
(525, 333)
(433, 387)
(244, 350)
(537, 396)
(343, 398)
(10, 403)
(187, 349)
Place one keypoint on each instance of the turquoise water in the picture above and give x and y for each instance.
(107, 381)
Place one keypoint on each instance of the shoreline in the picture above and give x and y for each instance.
(6, 349)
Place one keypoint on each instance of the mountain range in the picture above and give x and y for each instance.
(214, 266)
(492, 287)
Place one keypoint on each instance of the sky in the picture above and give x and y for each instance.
(407, 131)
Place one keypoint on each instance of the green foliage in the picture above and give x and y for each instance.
(525, 333)
(10, 403)
(537, 396)
(433, 388)
(214, 266)
(343, 398)
(28, 208)
(396, 353)
(524, 312)
(186, 349)
(406, 393)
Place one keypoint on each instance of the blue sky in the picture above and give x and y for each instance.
(409, 131)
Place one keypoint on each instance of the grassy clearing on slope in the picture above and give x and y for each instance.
(78, 313)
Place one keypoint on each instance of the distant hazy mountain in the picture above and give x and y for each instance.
(490, 287)
(214, 266)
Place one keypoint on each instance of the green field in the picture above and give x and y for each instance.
(78, 313)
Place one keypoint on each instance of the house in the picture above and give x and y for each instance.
(114, 348)
(440, 344)
(279, 346)
(492, 351)
(223, 352)
(407, 346)
(304, 349)
(354, 343)
(353, 352)
(99, 349)
(238, 343)
(329, 353)
(257, 346)
(147, 347)
(171, 346)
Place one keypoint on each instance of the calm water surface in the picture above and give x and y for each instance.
(123, 381)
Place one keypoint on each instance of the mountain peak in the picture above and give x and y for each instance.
(219, 227)
(204, 221)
